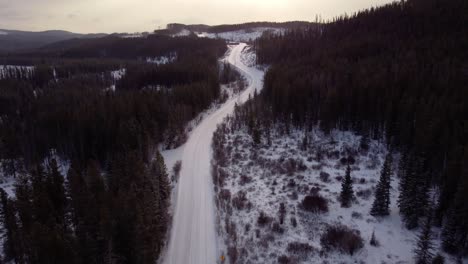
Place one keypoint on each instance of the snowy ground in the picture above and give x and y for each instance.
(241, 35)
(162, 59)
(5, 68)
(259, 178)
(193, 238)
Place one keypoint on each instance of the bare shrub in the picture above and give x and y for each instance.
(314, 191)
(293, 221)
(373, 241)
(294, 196)
(325, 177)
(290, 166)
(301, 166)
(315, 204)
(233, 254)
(438, 259)
(333, 154)
(341, 238)
(291, 183)
(244, 179)
(176, 170)
(275, 227)
(225, 195)
(300, 249)
(283, 259)
(356, 215)
(281, 213)
(263, 219)
(364, 194)
(240, 200)
(317, 166)
(247, 228)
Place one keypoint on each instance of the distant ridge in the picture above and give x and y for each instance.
(17, 40)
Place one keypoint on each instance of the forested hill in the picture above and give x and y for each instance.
(96, 114)
(397, 73)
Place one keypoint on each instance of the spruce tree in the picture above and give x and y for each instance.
(10, 227)
(381, 204)
(56, 189)
(347, 193)
(424, 244)
(414, 191)
(455, 229)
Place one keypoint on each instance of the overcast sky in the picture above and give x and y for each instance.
(92, 16)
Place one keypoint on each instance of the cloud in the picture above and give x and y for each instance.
(145, 15)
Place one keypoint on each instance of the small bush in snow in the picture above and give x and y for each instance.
(356, 215)
(275, 227)
(240, 200)
(315, 204)
(282, 213)
(291, 183)
(299, 249)
(293, 221)
(438, 259)
(364, 194)
(341, 238)
(373, 241)
(225, 194)
(233, 254)
(263, 219)
(294, 196)
(325, 177)
(284, 260)
(176, 170)
(244, 180)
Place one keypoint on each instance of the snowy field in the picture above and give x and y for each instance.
(259, 178)
(4, 69)
(241, 35)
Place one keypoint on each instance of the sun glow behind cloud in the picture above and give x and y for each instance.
(145, 15)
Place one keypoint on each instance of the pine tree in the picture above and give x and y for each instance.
(424, 244)
(347, 193)
(10, 227)
(381, 204)
(56, 190)
(414, 192)
(455, 229)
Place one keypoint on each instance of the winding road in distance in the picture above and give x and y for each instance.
(193, 236)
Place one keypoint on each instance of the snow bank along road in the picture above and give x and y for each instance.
(193, 238)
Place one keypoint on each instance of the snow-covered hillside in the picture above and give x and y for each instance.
(254, 180)
(15, 70)
(241, 35)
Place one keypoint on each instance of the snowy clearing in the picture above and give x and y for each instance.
(193, 238)
(162, 59)
(5, 69)
(241, 35)
(259, 178)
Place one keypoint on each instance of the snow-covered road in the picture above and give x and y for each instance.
(193, 237)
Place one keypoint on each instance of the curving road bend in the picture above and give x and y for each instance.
(193, 237)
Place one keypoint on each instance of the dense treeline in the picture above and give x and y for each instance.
(175, 28)
(107, 117)
(119, 218)
(132, 48)
(396, 73)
